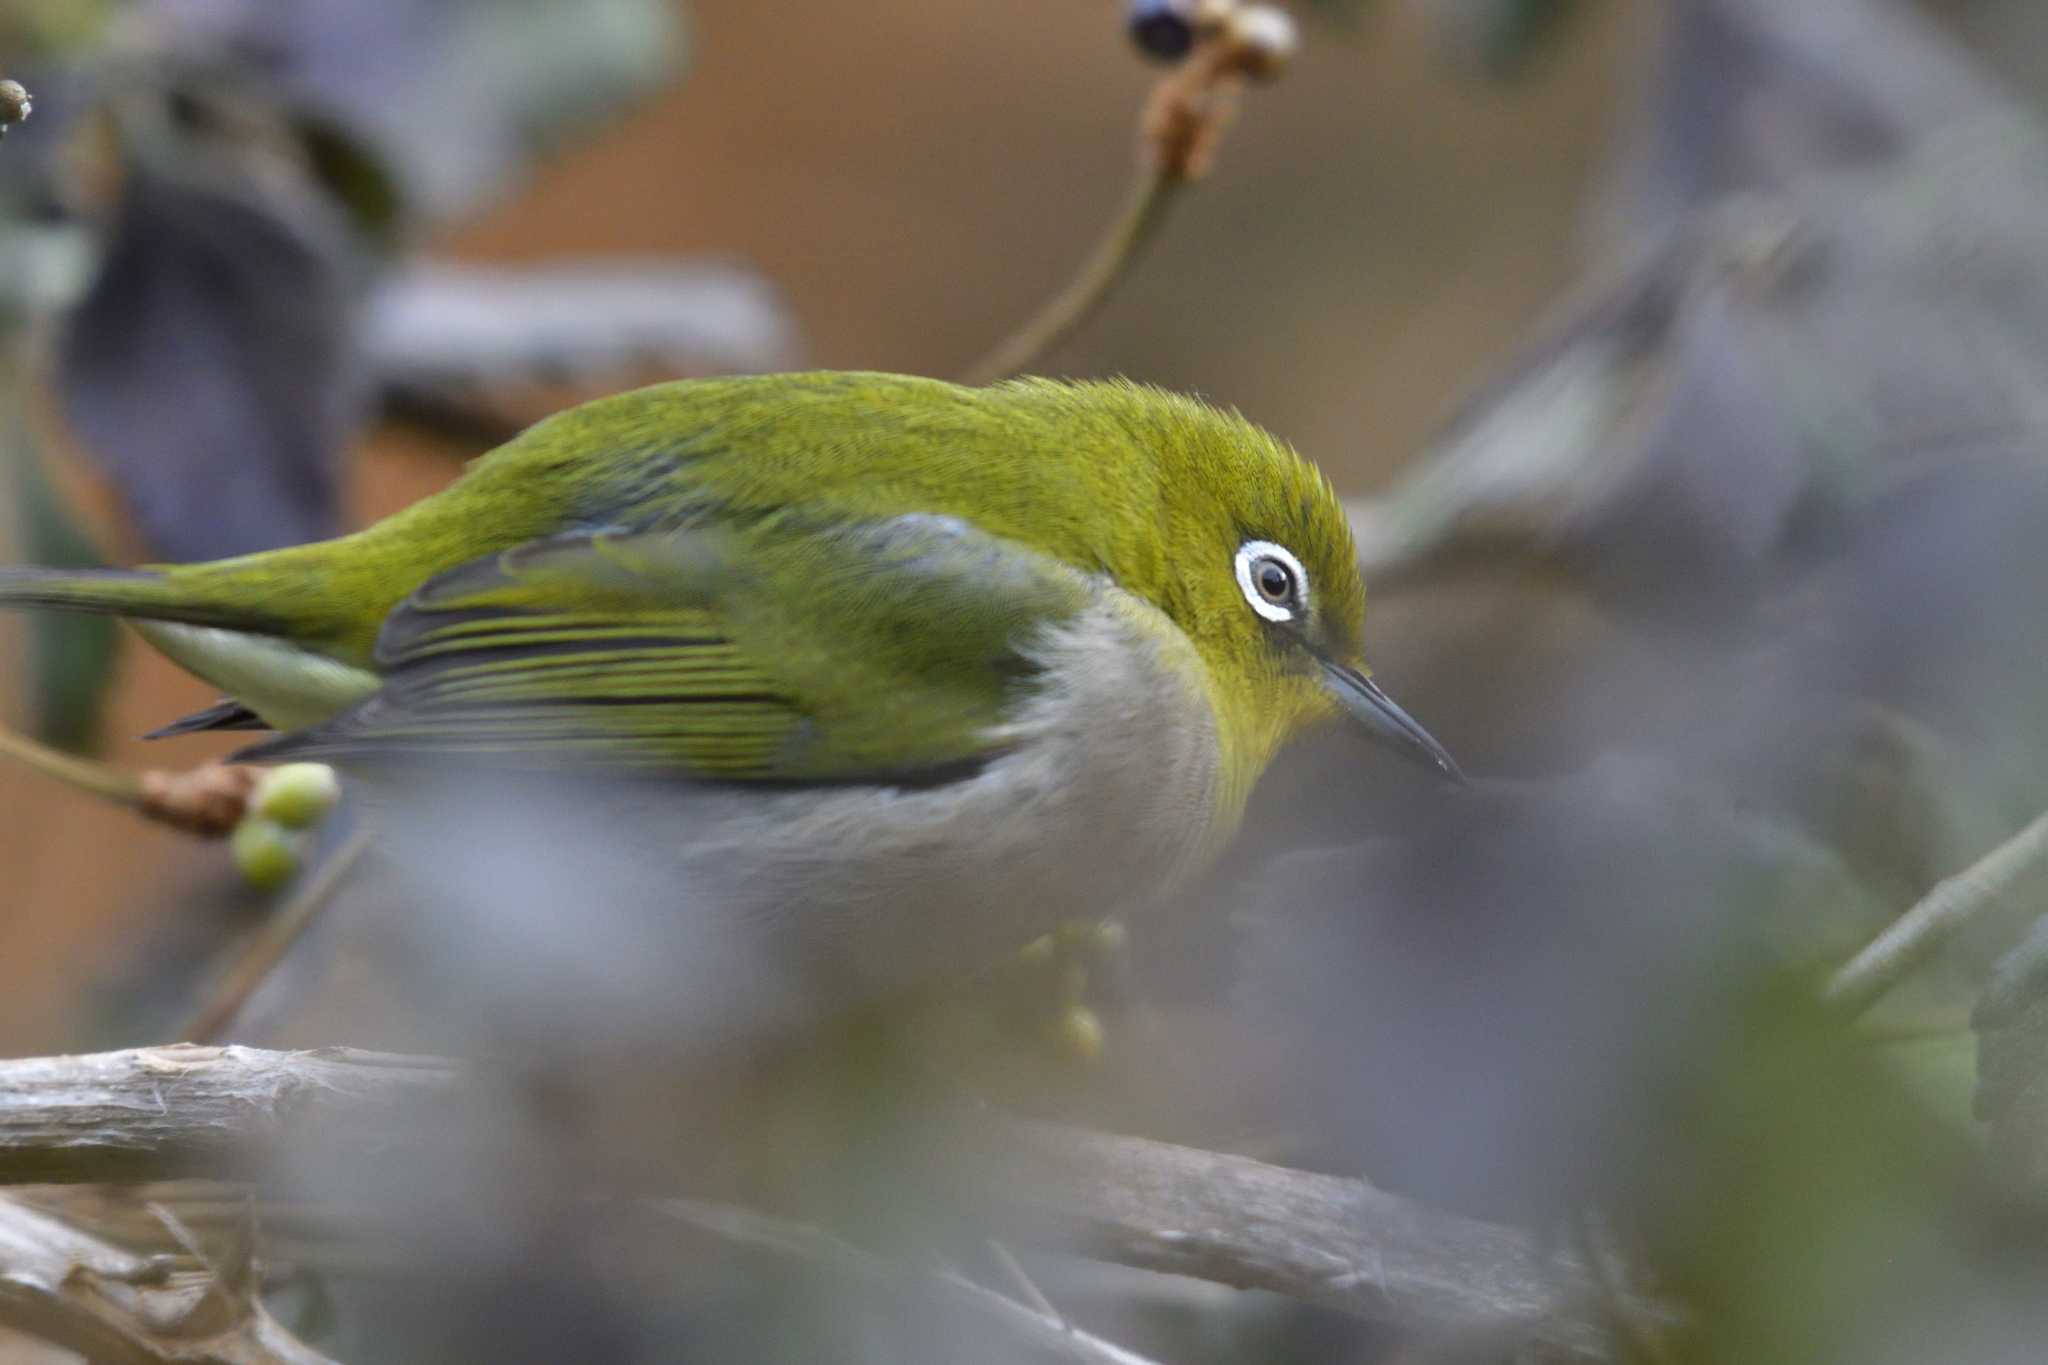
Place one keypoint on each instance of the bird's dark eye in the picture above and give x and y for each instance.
(1272, 580)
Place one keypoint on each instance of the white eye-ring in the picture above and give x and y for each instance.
(1272, 580)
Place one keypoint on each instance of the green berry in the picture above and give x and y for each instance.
(297, 795)
(1081, 1032)
(265, 853)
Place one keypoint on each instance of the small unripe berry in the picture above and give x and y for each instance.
(1111, 937)
(1081, 1032)
(1163, 29)
(1037, 953)
(297, 795)
(265, 853)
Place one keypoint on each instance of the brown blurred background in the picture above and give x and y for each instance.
(917, 177)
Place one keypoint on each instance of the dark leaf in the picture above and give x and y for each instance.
(73, 654)
(211, 368)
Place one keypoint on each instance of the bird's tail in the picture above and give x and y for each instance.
(142, 594)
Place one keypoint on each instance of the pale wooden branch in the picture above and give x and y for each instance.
(1328, 1240)
(150, 1113)
(155, 1113)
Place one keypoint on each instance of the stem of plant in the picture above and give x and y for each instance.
(283, 929)
(1181, 124)
(103, 780)
(1071, 309)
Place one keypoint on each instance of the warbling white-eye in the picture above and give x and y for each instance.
(936, 668)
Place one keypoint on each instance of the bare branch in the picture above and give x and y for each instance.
(1323, 1239)
(1937, 917)
(151, 1113)
(156, 1113)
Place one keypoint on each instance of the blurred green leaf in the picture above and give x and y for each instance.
(1501, 37)
(1493, 38)
(72, 657)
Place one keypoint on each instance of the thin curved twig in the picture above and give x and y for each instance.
(1179, 130)
(1936, 918)
(103, 780)
(278, 935)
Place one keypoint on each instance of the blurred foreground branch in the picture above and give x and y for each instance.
(113, 1307)
(157, 1113)
(1030, 1326)
(1936, 918)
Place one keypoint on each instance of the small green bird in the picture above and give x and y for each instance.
(960, 664)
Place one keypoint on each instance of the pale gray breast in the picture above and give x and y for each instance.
(678, 909)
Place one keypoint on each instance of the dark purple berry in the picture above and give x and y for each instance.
(1163, 29)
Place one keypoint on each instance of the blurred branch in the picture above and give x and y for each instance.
(61, 1286)
(1180, 128)
(156, 1113)
(1937, 917)
(1030, 1326)
(90, 776)
(1323, 1239)
(272, 940)
(446, 343)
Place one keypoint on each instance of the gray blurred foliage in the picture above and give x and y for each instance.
(441, 334)
(213, 369)
(1497, 39)
(1762, 517)
(456, 97)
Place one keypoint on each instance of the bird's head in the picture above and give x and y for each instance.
(1263, 576)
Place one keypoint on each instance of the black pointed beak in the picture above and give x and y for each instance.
(1387, 723)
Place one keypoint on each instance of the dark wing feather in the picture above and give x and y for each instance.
(850, 652)
(225, 714)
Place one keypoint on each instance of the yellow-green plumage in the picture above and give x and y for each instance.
(945, 666)
(800, 655)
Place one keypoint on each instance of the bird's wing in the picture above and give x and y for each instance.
(883, 650)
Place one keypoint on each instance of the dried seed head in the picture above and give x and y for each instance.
(1263, 39)
(15, 105)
